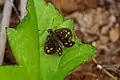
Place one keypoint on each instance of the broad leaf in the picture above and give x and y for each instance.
(53, 67)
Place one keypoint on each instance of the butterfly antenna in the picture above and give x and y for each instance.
(42, 30)
(52, 23)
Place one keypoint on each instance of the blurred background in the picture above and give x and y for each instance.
(96, 22)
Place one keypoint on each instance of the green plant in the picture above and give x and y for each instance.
(27, 42)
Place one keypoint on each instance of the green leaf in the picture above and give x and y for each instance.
(27, 43)
(53, 67)
(13, 73)
(25, 46)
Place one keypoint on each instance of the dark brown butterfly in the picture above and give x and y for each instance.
(58, 39)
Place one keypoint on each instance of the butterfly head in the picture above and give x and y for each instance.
(50, 31)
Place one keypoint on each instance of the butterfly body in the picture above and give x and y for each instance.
(57, 40)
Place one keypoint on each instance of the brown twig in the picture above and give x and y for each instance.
(23, 8)
(103, 69)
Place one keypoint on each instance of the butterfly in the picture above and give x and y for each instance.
(58, 39)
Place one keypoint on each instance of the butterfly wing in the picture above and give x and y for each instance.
(65, 35)
(68, 43)
(58, 49)
(49, 47)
